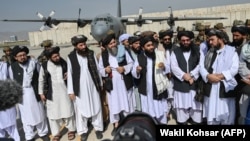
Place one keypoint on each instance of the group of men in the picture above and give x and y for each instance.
(146, 72)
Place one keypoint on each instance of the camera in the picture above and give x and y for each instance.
(137, 126)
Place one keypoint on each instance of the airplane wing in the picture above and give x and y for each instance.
(133, 20)
(52, 22)
(139, 21)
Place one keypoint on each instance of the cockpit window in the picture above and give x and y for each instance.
(102, 19)
(109, 19)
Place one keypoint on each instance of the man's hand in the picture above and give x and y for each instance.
(65, 76)
(120, 69)
(191, 81)
(247, 81)
(72, 97)
(221, 76)
(108, 69)
(187, 77)
(138, 69)
(43, 98)
(161, 65)
(213, 78)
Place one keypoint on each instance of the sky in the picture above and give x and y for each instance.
(68, 9)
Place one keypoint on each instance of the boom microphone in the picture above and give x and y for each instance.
(11, 93)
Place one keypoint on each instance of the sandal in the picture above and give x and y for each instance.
(56, 138)
(71, 135)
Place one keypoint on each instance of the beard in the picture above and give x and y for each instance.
(83, 53)
(218, 46)
(185, 48)
(113, 51)
(150, 54)
(56, 62)
(167, 46)
(136, 51)
(238, 42)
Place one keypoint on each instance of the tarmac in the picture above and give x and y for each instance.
(64, 51)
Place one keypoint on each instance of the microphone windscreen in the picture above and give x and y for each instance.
(11, 93)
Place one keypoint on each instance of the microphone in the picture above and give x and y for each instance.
(11, 93)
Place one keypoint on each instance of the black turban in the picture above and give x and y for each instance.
(166, 33)
(107, 39)
(239, 28)
(189, 34)
(145, 40)
(18, 49)
(133, 39)
(51, 51)
(78, 39)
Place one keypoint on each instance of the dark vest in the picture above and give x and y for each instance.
(18, 76)
(184, 86)
(47, 85)
(222, 92)
(128, 78)
(76, 71)
(142, 81)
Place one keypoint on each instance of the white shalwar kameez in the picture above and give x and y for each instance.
(32, 111)
(221, 110)
(87, 103)
(184, 103)
(167, 64)
(8, 117)
(119, 99)
(60, 109)
(156, 108)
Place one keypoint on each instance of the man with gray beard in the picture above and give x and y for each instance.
(84, 86)
(115, 66)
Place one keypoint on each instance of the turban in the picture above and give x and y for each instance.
(133, 39)
(78, 39)
(242, 29)
(123, 37)
(145, 40)
(189, 34)
(51, 51)
(162, 34)
(106, 40)
(18, 49)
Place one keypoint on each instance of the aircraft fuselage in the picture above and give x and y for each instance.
(103, 23)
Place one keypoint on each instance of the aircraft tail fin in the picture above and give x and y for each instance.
(119, 9)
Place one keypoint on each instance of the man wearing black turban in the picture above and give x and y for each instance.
(84, 86)
(53, 91)
(115, 66)
(24, 70)
(185, 68)
(147, 68)
(165, 37)
(239, 33)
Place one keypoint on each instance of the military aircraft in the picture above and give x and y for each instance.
(101, 24)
